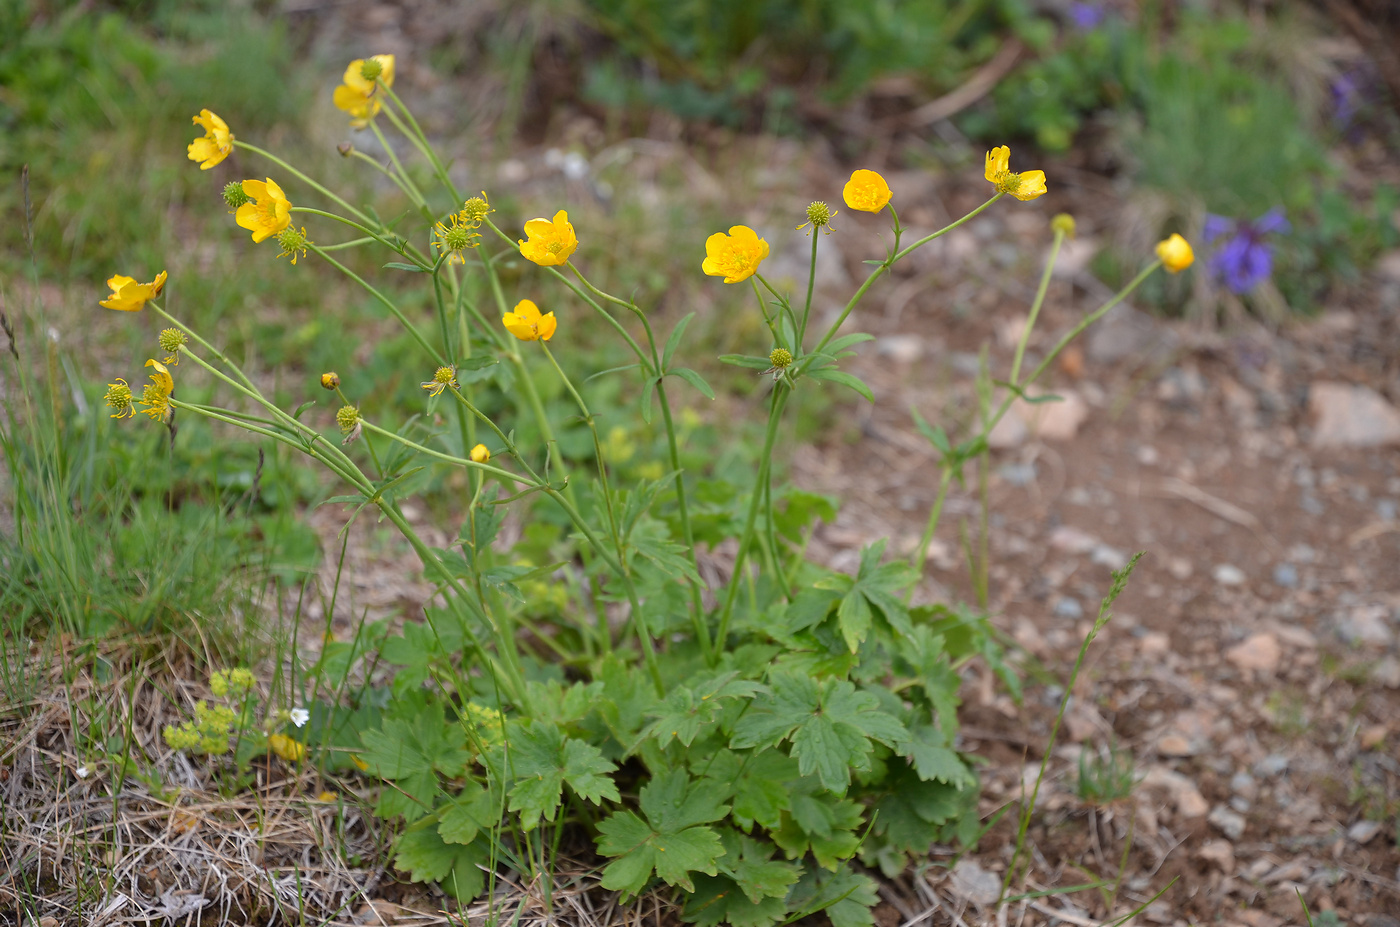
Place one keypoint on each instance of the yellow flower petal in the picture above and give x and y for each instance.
(1032, 185)
(526, 323)
(216, 144)
(998, 162)
(1175, 253)
(866, 191)
(288, 749)
(550, 241)
(735, 256)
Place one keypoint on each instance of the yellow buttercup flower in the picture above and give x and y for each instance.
(119, 398)
(269, 211)
(216, 144)
(156, 396)
(551, 240)
(356, 95)
(443, 377)
(293, 751)
(130, 296)
(866, 191)
(481, 454)
(1023, 186)
(735, 256)
(1176, 253)
(526, 323)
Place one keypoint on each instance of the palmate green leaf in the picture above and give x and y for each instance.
(874, 588)
(927, 748)
(541, 759)
(846, 897)
(829, 829)
(689, 709)
(475, 810)
(830, 725)
(719, 900)
(672, 841)
(749, 862)
(759, 784)
(410, 751)
(455, 866)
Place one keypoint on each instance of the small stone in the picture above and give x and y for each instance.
(1271, 765)
(1017, 474)
(1363, 832)
(1189, 801)
(970, 881)
(1387, 673)
(1388, 510)
(1296, 636)
(1351, 416)
(1068, 608)
(1111, 557)
(1180, 568)
(1174, 745)
(1243, 784)
(1311, 504)
(1147, 456)
(1365, 624)
(1239, 803)
(1125, 333)
(1373, 736)
(1227, 575)
(1228, 822)
(1057, 421)
(1071, 540)
(1286, 575)
(1155, 644)
(1258, 653)
(903, 349)
(1220, 853)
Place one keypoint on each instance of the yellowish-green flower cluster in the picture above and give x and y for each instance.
(207, 733)
(294, 242)
(156, 396)
(232, 684)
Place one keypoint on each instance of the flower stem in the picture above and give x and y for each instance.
(304, 179)
(811, 285)
(1035, 306)
(775, 414)
(388, 304)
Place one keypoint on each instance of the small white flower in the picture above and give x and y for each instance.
(299, 716)
(82, 772)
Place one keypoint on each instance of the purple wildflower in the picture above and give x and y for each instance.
(1086, 16)
(1245, 259)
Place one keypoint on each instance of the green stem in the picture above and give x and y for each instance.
(356, 153)
(884, 268)
(935, 513)
(811, 284)
(368, 231)
(413, 192)
(448, 458)
(388, 304)
(304, 179)
(420, 140)
(697, 606)
(1035, 306)
(775, 413)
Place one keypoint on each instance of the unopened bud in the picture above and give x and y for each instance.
(480, 454)
(330, 380)
(346, 149)
(1063, 223)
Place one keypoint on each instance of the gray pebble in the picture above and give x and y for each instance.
(1286, 575)
(1271, 765)
(1068, 608)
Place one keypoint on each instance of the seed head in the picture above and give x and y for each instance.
(234, 195)
(171, 340)
(476, 209)
(780, 358)
(330, 380)
(293, 242)
(119, 398)
(348, 418)
(371, 69)
(818, 214)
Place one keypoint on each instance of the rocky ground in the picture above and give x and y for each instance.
(1250, 673)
